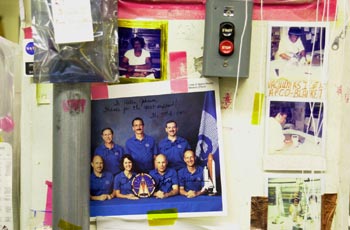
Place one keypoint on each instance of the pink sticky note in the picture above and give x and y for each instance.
(48, 210)
(99, 91)
(28, 32)
(179, 85)
(178, 65)
(178, 72)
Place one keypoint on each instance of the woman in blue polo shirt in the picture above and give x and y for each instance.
(122, 181)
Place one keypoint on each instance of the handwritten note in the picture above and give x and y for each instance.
(226, 100)
(151, 106)
(297, 89)
(344, 93)
(72, 21)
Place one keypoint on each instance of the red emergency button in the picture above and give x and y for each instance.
(226, 47)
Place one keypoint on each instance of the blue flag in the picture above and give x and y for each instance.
(208, 132)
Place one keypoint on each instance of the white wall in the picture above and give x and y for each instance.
(242, 141)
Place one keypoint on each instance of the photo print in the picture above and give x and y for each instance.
(294, 201)
(295, 127)
(296, 66)
(193, 116)
(142, 50)
(295, 135)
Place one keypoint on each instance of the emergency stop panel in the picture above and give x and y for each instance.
(227, 33)
(228, 25)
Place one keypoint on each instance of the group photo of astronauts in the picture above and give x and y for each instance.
(154, 147)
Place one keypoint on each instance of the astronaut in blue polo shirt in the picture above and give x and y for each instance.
(110, 152)
(101, 182)
(122, 181)
(141, 147)
(173, 146)
(191, 179)
(165, 178)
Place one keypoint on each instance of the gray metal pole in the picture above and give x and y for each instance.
(71, 156)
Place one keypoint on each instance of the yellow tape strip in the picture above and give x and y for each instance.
(162, 217)
(64, 225)
(43, 93)
(257, 108)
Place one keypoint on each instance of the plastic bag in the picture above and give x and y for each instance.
(9, 56)
(76, 62)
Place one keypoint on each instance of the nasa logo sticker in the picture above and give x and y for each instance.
(30, 48)
(143, 185)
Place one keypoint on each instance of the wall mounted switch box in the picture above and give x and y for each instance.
(228, 26)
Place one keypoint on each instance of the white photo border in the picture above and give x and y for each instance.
(316, 179)
(199, 85)
(298, 79)
(309, 152)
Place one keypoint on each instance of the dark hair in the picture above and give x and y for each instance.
(139, 39)
(295, 31)
(170, 121)
(282, 111)
(295, 198)
(313, 197)
(130, 158)
(107, 128)
(96, 155)
(137, 119)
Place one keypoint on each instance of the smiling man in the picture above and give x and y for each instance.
(165, 178)
(191, 179)
(173, 146)
(141, 147)
(101, 182)
(110, 152)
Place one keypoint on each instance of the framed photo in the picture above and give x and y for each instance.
(294, 201)
(142, 50)
(295, 135)
(196, 112)
(296, 61)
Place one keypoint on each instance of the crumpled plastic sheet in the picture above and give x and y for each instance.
(9, 56)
